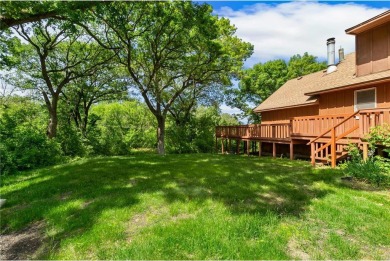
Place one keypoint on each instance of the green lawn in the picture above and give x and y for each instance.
(197, 207)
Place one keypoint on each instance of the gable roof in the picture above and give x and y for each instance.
(370, 23)
(302, 91)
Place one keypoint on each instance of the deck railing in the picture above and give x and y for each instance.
(362, 121)
(371, 118)
(255, 131)
(310, 127)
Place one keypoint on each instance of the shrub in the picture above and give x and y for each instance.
(24, 144)
(375, 169)
(121, 127)
(198, 134)
(380, 135)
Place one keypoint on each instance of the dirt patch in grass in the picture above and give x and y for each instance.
(151, 217)
(22, 244)
(273, 198)
(144, 219)
(295, 252)
(360, 184)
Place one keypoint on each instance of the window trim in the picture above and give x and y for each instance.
(363, 90)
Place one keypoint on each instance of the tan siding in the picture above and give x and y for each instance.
(379, 49)
(284, 115)
(383, 96)
(330, 102)
(373, 50)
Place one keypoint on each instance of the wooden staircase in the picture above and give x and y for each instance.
(331, 145)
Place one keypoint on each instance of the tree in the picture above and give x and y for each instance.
(300, 65)
(122, 127)
(15, 13)
(263, 79)
(106, 84)
(56, 54)
(191, 98)
(168, 48)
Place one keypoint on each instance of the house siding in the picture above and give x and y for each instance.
(342, 102)
(334, 103)
(373, 50)
(284, 115)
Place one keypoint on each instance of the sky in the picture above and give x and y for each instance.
(280, 29)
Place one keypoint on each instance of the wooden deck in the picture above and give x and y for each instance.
(264, 132)
(327, 134)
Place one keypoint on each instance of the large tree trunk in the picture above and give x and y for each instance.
(160, 135)
(53, 122)
(52, 127)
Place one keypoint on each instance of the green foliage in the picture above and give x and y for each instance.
(23, 141)
(375, 169)
(19, 12)
(380, 135)
(300, 65)
(198, 134)
(263, 79)
(121, 127)
(185, 50)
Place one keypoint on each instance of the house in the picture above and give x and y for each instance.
(321, 113)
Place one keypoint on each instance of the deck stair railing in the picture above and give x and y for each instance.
(320, 146)
(331, 144)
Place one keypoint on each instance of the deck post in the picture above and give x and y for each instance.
(313, 156)
(226, 146)
(333, 148)
(291, 150)
(238, 146)
(274, 149)
(248, 147)
(259, 148)
(230, 147)
(365, 151)
(223, 147)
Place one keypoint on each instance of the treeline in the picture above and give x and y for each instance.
(114, 128)
(175, 56)
(106, 78)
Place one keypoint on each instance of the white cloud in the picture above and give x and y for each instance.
(285, 29)
(227, 109)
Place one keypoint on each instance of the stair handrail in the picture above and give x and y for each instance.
(333, 127)
(337, 138)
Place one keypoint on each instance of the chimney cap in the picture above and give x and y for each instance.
(330, 40)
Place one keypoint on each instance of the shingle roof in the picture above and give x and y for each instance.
(301, 91)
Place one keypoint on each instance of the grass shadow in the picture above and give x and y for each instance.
(72, 197)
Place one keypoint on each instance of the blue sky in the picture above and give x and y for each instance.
(236, 5)
(280, 29)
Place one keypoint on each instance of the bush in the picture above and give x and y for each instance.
(121, 127)
(375, 169)
(380, 135)
(198, 134)
(24, 144)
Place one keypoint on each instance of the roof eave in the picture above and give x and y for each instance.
(288, 107)
(370, 23)
(351, 86)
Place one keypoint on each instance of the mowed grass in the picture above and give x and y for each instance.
(198, 207)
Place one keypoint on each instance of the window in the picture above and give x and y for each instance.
(365, 99)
